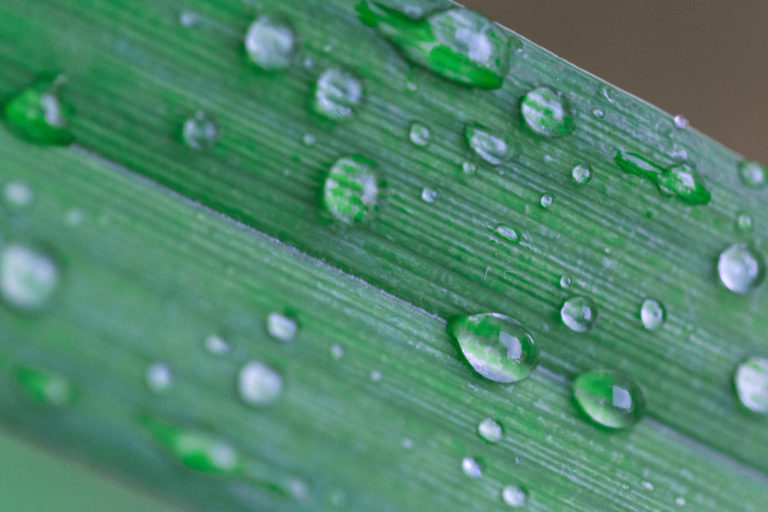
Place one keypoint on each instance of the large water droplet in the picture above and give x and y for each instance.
(18, 194)
(741, 268)
(490, 430)
(751, 380)
(45, 387)
(753, 174)
(158, 377)
(419, 134)
(456, 43)
(581, 174)
(28, 277)
(546, 112)
(471, 467)
(281, 327)
(652, 314)
(608, 398)
(258, 384)
(493, 149)
(338, 94)
(200, 131)
(498, 347)
(351, 190)
(679, 180)
(579, 313)
(513, 496)
(194, 449)
(270, 42)
(35, 114)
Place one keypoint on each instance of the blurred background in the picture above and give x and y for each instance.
(705, 59)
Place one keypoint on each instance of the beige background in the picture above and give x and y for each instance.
(705, 59)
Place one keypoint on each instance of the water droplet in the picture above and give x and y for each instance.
(18, 194)
(281, 327)
(44, 387)
(259, 384)
(610, 399)
(35, 114)
(546, 201)
(753, 174)
(419, 134)
(493, 149)
(468, 168)
(598, 113)
(496, 346)
(74, 217)
(679, 180)
(270, 42)
(565, 282)
(216, 345)
(308, 139)
(652, 314)
(680, 122)
(28, 277)
(200, 132)
(741, 268)
(375, 375)
(351, 190)
(428, 195)
(471, 467)
(337, 352)
(744, 222)
(546, 112)
(680, 501)
(513, 496)
(579, 313)
(490, 430)
(456, 43)
(417, 9)
(511, 234)
(194, 449)
(751, 380)
(188, 18)
(581, 174)
(338, 94)
(158, 377)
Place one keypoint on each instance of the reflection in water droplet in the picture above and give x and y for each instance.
(490, 430)
(258, 384)
(270, 42)
(338, 94)
(18, 194)
(281, 327)
(609, 399)
(581, 174)
(351, 191)
(509, 233)
(751, 380)
(513, 496)
(428, 195)
(419, 134)
(471, 467)
(652, 314)
(579, 313)
(158, 377)
(46, 388)
(496, 346)
(35, 114)
(216, 345)
(28, 277)
(546, 112)
(200, 132)
(741, 268)
(493, 149)
(753, 174)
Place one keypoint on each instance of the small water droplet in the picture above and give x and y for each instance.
(680, 501)
(36, 114)
(375, 375)
(509, 233)
(680, 122)
(741, 268)
(513, 496)
(18, 194)
(471, 467)
(338, 94)
(419, 134)
(581, 174)
(598, 113)
(337, 352)
(753, 174)
(493, 149)
(652, 314)
(679, 180)
(455, 43)
(74, 217)
(28, 277)
(743, 221)
(216, 345)
(308, 139)
(188, 18)
(546, 201)
(270, 42)
(428, 195)
(258, 384)
(608, 398)
(200, 132)
(490, 430)
(158, 377)
(281, 327)
(407, 443)
(565, 282)
(45, 387)
(751, 380)
(468, 168)
(579, 313)
(546, 112)
(496, 346)
(351, 191)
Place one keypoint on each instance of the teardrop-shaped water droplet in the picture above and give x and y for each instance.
(194, 449)
(513, 496)
(36, 115)
(419, 134)
(258, 384)
(200, 132)
(338, 94)
(581, 174)
(351, 190)
(490, 430)
(751, 380)
(679, 180)
(428, 195)
(741, 268)
(270, 42)
(28, 277)
(546, 112)
(18, 194)
(509, 233)
(579, 313)
(652, 314)
(471, 467)
(496, 346)
(158, 377)
(546, 201)
(281, 327)
(456, 43)
(610, 399)
(492, 148)
(45, 387)
(753, 174)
